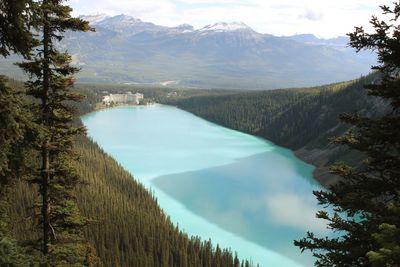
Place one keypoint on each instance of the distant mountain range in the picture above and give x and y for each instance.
(222, 55)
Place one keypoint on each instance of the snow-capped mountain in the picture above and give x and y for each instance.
(93, 19)
(185, 28)
(226, 27)
(124, 21)
(220, 55)
(124, 24)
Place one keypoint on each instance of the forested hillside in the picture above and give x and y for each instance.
(127, 227)
(302, 119)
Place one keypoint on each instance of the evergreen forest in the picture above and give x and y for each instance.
(65, 202)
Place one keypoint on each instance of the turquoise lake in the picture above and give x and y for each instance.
(238, 190)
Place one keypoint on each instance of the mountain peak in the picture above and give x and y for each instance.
(121, 20)
(185, 27)
(225, 27)
(95, 18)
(124, 20)
(125, 24)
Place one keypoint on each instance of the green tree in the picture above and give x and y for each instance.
(11, 255)
(16, 126)
(51, 77)
(13, 130)
(16, 19)
(365, 203)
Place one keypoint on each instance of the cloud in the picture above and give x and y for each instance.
(280, 17)
(134, 8)
(288, 210)
(312, 15)
(294, 211)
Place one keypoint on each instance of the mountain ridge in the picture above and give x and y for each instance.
(225, 55)
(102, 19)
(126, 50)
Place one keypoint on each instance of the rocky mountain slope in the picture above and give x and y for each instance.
(222, 55)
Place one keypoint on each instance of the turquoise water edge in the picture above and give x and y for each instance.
(238, 190)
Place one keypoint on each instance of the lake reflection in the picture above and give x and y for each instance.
(264, 198)
(239, 190)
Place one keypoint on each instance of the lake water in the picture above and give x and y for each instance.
(241, 191)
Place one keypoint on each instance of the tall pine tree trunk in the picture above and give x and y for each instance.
(54, 78)
(45, 147)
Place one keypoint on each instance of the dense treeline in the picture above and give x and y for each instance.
(131, 228)
(289, 117)
(94, 94)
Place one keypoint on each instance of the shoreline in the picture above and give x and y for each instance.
(100, 106)
(314, 157)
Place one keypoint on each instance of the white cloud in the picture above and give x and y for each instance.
(115, 7)
(287, 209)
(294, 211)
(312, 15)
(280, 17)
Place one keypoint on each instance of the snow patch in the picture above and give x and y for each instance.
(94, 19)
(225, 27)
(121, 21)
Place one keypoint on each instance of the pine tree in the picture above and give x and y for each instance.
(366, 201)
(16, 19)
(51, 74)
(16, 126)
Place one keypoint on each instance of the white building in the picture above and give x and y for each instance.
(123, 98)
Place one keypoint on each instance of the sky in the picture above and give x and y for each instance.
(323, 18)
